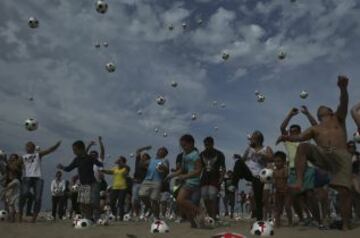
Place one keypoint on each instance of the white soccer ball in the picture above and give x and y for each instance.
(110, 67)
(199, 21)
(101, 6)
(174, 84)
(111, 218)
(165, 134)
(266, 175)
(139, 112)
(282, 55)
(356, 137)
(76, 218)
(33, 22)
(262, 228)
(132, 155)
(304, 94)
(75, 188)
(83, 224)
(194, 116)
(160, 100)
(159, 227)
(223, 105)
(97, 45)
(102, 222)
(156, 130)
(261, 98)
(106, 45)
(3, 215)
(209, 221)
(184, 25)
(215, 103)
(225, 56)
(127, 217)
(31, 124)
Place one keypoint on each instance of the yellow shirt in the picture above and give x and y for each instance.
(291, 148)
(119, 178)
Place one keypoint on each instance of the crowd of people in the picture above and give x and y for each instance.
(305, 176)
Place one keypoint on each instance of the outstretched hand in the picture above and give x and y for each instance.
(294, 111)
(343, 81)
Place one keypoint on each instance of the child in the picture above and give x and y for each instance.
(280, 183)
(57, 192)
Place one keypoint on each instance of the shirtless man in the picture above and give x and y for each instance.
(330, 152)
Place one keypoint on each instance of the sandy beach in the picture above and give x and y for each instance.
(141, 230)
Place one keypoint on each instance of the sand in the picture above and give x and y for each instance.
(141, 230)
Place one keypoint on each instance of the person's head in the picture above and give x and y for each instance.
(145, 156)
(324, 112)
(14, 162)
(256, 139)
(209, 142)
(121, 161)
(30, 147)
(58, 175)
(351, 145)
(162, 152)
(295, 130)
(279, 159)
(79, 148)
(94, 154)
(187, 143)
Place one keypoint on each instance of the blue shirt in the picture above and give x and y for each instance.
(189, 161)
(152, 173)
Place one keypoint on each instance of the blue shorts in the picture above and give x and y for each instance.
(309, 178)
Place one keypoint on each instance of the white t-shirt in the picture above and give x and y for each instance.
(58, 187)
(97, 170)
(32, 163)
(254, 161)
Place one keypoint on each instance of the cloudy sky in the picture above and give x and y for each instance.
(76, 98)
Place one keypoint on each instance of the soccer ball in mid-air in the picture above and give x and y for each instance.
(82, 224)
(110, 67)
(261, 228)
(199, 22)
(223, 105)
(266, 175)
(281, 55)
(139, 112)
(165, 134)
(171, 27)
(184, 25)
(31, 124)
(3, 215)
(194, 116)
(106, 45)
(33, 22)
(225, 56)
(160, 100)
(159, 227)
(257, 93)
(156, 130)
(101, 6)
(261, 98)
(304, 94)
(356, 136)
(97, 45)
(174, 84)
(216, 128)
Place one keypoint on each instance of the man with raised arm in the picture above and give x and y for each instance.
(330, 152)
(33, 176)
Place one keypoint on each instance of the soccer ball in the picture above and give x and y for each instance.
(111, 218)
(171, 27)
(266, 175)
(223, 105)
(97, 45)
(160, 100)
(216, 128)
(356, 137)
(31, 124)
(3, 215)
(304, 94)
(101, 6)
(209, 221)
(225, 56)
(156, 130)
(184, 25)
(159, 227)
(281, 55)
(132, 155)
(106, 45)
(83, 224)
(165, 134)
(193, 116)
(261, 228)
(261, 98)
(127, 217)
(75, 188)
(102, 222)
(76, 218)
(215, 103)
(174, 84)
(110, 67)
(199, 22)
(139, 112)
(33, 22)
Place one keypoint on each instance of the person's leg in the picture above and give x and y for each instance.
(313, 205)
(213, 201)
(61, 208)
(258, 187)
(135, 199)
(29, 204)
(155, 198)
(25, 190)
(303, 154)
(345, 206)
(96, 200)
(121, 203)
(38, 190)
(113, 201)
(232, 204)
(241, 171)
(279, 204)
(186, 206)
(54, 206)
(226, 203)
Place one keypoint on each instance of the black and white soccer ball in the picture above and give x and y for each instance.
(103, 222)
(110, 67)
(33, 22)
(282, 55)
(111, 218)
(159, 227)
(174, 84)
(97, 45)
(261, 98)
(266, 175)
(101, 6)
(160, 100)
(83, 224)
(262, 228)
(194, 116)
(199, 22)
(156, 130)
(106, 45)
(165, 134)
(210, 222)
(76, 218)
(127, 217)
(171, 27)
(3, 215)
(184, 26)
(31, 124)
(223, 105)
(225, 56)
(304, 94)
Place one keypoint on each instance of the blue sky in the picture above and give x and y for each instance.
(75, 98)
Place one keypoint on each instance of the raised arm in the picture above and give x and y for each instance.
(70, 167)
(91, 144)
(342, 109)
(50, 150)
(102, 149)
(293, 112)
(142, 149)
(309, 116)
(355, 113)
(305, 136)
